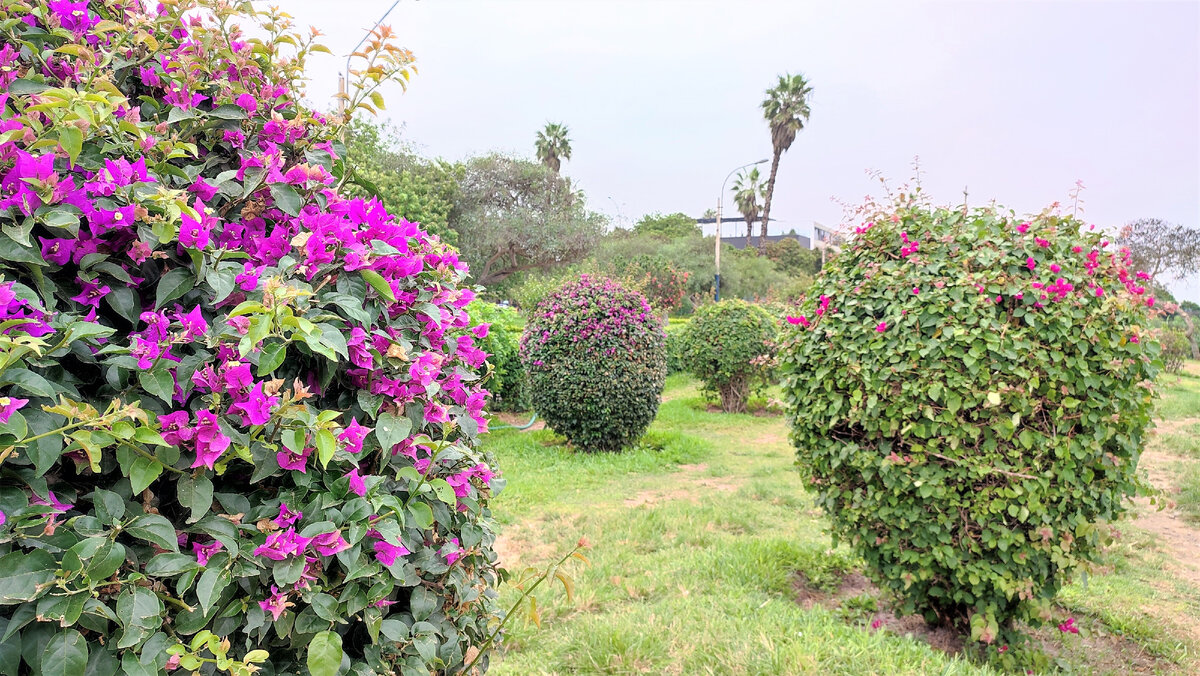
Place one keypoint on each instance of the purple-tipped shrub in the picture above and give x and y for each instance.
(238, 411)
(597, 360)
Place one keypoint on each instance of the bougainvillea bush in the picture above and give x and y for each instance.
(729, 346)
(969, 394)
(238, 411)
(597, 361)
(507, 384)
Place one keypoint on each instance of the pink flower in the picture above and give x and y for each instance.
(276, 604)
(193, 322)
(205, 552)
(1030, 263)
(211, 442)
(356, 482)
(328, 544)
(288, 460)
(286, 516)
(1133, 338)
(387, 553)
(353, 436)
(881, 327)
(456, 554)
(1150, 301)
(1023, 228)
(9, 406)
(916, 290)
(877, 623)
(1042, 242)
(240, 323)
(802, 320)
(1054, 267)
(1069, 626)
(52, 502)
(282, 544)
(257, 408)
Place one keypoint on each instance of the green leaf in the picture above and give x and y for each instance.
(169, 565)
(422, 514)
(28, 382)
(143, 473)
(125, 302)
(195, 493)
(154, 528)
(391, 429)
(335, 339)
(157, 381)
(229, 111)
(71, 139)
(326, 445)
(422, 603)
(173, 285)
(286, 198)
(208, 590)
(140, 613)
(378, 283)
(325, 654)
(66, 654)
(271, 358)
(993, 398)
(443, 491)
(22, 573)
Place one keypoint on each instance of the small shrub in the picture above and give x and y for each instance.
(969, 395)
(596, 357)
(507, 384)
(238, 410)
(1175, 348)
(729, 347)
(675, 348)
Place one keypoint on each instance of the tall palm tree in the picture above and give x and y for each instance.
(747, 189)
(786, 111)
(553, 146)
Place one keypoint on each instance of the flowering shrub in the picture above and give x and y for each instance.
(507, 386)
(596, 357)
(969, 396)
(675, 347)
(238, 411)
(728, 346)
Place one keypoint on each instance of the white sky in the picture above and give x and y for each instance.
(1015, 100)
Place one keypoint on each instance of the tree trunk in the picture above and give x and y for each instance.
(749, 231)
(1191, 335)
(762, 238)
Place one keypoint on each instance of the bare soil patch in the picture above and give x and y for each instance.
(516, 420)
(521, 544)
(687, 484)
(1180, 540)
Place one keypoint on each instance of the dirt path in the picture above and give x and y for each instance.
(1180, 539)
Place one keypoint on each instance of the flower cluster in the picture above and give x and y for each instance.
(300, 455)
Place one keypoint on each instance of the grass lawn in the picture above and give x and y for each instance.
(697, 538)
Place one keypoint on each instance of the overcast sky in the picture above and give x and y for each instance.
(1014, 101)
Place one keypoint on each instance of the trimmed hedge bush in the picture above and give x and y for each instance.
(507, 385)
(728, 346)
(597, 361)
(238, 411)
(969, 395)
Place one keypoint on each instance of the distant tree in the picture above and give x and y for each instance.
(667, 226)
(791, 258)
(747, 190)
(415, 188)
(1159, 246)
(514, 215)
(1190, 307)
(786, 111)
(553, 145)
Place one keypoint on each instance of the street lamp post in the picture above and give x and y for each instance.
(720, 198)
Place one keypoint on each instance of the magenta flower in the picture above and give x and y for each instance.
(193, 233)
(256, 409)
(328, 544)
(211, 442)
(801, 320)
(205, 552)
(1023, 228)
(52, 502)
(881, 327)
(1030, 263)
(286, 516)
(3, 518)
(356, 482)
(241, 324)
(248, 279)
(1069, 626)
(387, 553)
(353, 436)
(193, 323)
(1055, 267)
(276, 603)
(91, 293)
(175, 428)
(247, 103)
(455, 554)
(1042, 242)
(296, 462)
(9, 406)
(281, 544)
(237, 377)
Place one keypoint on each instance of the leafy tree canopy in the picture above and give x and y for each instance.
(668, 226)
(1159, 246)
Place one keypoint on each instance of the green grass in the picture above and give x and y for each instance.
(697, 537)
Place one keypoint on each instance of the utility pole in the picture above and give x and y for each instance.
(344, 77)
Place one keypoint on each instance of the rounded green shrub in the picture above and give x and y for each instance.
(239, 410)
(969, 395)
(1176, 348)
(729, 346)
(674, 332)
(507, 385)
(597, 360)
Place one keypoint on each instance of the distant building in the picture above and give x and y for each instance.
(740, 242)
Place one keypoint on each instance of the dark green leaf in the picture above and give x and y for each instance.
(325, 654)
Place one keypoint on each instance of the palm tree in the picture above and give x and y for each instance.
(746, 191)
(786, 111)
(553, 146)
